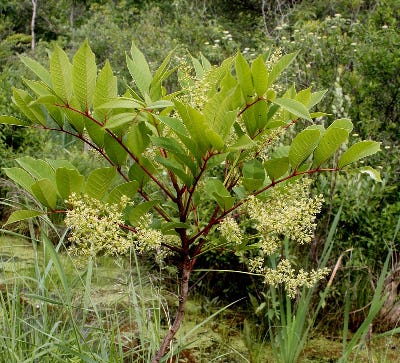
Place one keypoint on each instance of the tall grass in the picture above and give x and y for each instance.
(51, 313)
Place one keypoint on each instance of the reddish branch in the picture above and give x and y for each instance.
(129, 152)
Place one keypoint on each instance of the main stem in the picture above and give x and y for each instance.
(184, 291)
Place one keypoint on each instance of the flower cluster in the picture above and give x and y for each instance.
(286, 275)
(230, 230)
(147, 239)
(288, 211)
(95, 226)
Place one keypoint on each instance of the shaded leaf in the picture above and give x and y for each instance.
(114, 150)
(98, 182)
(128, 189)
(38, 69)
(21, 177)
(11, 120)
(216, 189)
(21, 215)
(139, 211)
(69, 181)
(45, 192)
(277, 167)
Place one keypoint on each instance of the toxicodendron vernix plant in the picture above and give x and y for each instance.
(182, 164)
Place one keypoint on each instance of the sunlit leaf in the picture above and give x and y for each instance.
(358, 151)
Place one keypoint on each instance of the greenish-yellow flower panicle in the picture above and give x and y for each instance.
(230, 230)
(287, 276)
(288, 212)
(95, 226)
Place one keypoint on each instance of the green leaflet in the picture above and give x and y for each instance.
(244, 142)
(280, 66)
(74, 117)
(174, 124)
(199, 129)
(304, 96)
(120, 119)
(24, 102)
(39, 88)
(358, 151)
(21, 215)
(216, 190)
(160, 75)
(175, 168)
(105, 89)
(174, 147)
(135, 213)
(68, 181)
(84, 72)
(249, 119)
(137, 138)
(277, 167)
(253, 174)
(21, 177)
(139, 70)
(205, 62)
(121, 102)
(244, 77)
(95, 131)
(302, 146)
(114, 150)
(137, 173)
(219, 113)
(39, 169)
(315, 98)
(342, 123)
(159, 104)
(128, 189)
(294, 107)
(371, 172)
(260, 110)
(198, 68)
(60, 163)
(329, 144)
(98, 182)
(61, 74)
(45, 192)
(259, 73)
(38, 69)
(11, 120)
